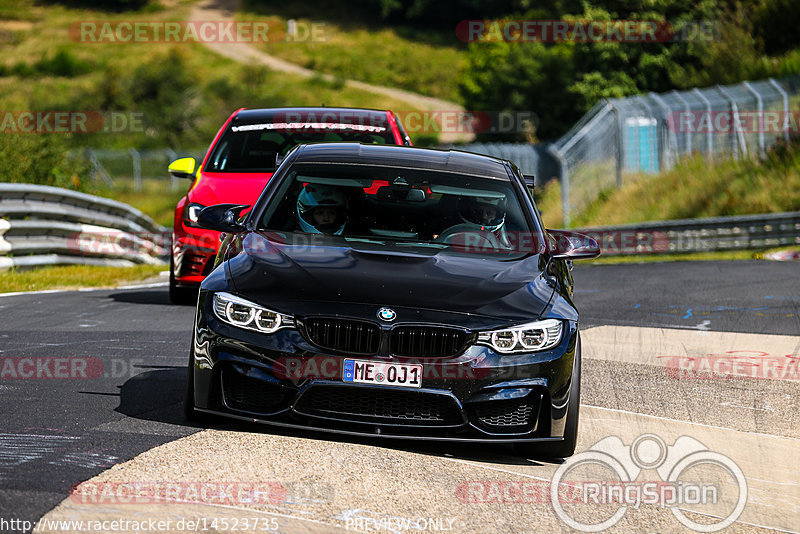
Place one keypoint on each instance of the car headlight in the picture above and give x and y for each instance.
(530, 337)
(192, 213)
(239, 312)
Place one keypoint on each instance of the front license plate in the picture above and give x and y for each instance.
(388, 374)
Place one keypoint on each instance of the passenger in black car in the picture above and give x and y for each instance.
(321, 210)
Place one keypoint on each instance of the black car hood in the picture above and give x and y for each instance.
(303, 279)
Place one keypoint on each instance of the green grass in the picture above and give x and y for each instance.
(15, 10)
(697, 256)
(205, 87)
(156, 199)
(694, 188)
(200, 87)
(700, 256)
(548, 200)
(369, 52)
(75, 276)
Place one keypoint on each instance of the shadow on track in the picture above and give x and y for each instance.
(157, 295)
(157, 395)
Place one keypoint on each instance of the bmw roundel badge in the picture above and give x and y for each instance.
(386, 314)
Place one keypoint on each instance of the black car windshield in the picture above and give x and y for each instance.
(403, 208)
(254, 147)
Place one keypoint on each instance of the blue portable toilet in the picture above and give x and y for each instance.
(641, 144)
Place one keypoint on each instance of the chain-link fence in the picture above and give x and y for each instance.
(649, 133)
(531, 159)
(131, 165)
(618, 137)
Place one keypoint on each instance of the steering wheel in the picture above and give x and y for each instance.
(468, 237)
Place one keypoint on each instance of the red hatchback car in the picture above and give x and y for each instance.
(240, 161)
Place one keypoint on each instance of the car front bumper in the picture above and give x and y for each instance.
(281, 379)
(193, 253)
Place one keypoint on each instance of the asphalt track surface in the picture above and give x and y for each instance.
(57, 432)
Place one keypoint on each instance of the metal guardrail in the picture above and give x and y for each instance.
(746, 232)
(42, 225)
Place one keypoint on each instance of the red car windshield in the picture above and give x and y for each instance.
(254, 147)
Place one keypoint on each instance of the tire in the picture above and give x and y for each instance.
(565, 447)
(189, 411)
(179, 295)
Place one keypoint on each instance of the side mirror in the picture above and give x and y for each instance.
(183, 168)
(222, 218)
(566, 245)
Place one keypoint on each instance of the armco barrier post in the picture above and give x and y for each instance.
(688, 132)
(620, 129)
(785, 96)
(760, 109)
(709, 134)
(564, 173)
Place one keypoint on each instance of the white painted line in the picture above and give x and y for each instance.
(84, 289)
(41, 292)
(689, 354)
(134, 286)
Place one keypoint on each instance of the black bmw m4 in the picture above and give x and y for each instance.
(395, 292)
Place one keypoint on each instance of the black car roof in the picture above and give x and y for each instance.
(403, 156)
(249, 116)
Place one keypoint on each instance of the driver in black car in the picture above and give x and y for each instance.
(482, 223)
(487, 213)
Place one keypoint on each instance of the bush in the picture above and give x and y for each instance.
(42, 159)
(62, 63)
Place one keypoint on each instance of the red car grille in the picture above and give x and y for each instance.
(194, 264)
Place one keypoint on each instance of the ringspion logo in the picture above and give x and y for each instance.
(608, 478)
